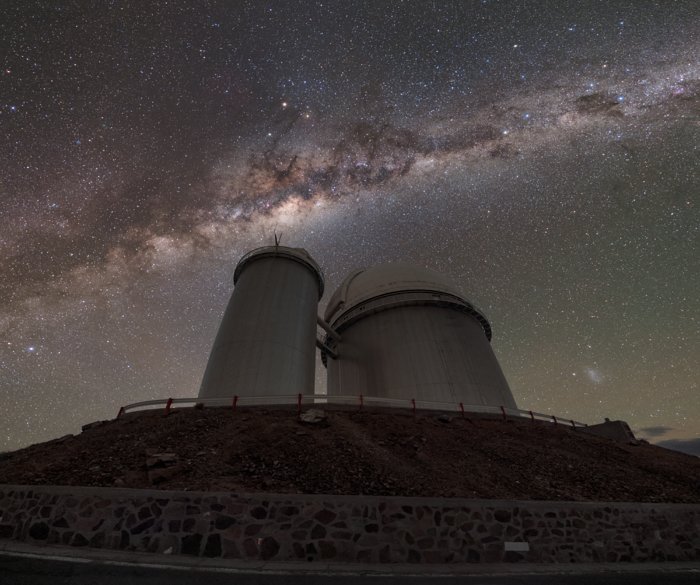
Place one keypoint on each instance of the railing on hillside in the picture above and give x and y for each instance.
(360, 401)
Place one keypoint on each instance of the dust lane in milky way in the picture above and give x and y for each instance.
(303, 162)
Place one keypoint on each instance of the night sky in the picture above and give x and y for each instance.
(544, 155)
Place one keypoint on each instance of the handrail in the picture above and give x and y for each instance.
(349, 400)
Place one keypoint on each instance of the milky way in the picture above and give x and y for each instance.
(545, 157)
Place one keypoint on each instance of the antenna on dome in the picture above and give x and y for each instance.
(278, 240)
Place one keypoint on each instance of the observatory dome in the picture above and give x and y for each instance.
(405, 332)
(385, 279)
(392, 279)
(265, 346)
(296, 254)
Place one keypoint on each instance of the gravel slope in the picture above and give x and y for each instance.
(379, 453)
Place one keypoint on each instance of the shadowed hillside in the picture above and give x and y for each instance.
(350, 452)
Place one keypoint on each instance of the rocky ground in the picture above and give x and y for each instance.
(352, 452)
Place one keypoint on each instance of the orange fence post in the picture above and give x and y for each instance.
(413, 403)
(554, 418)
(532, 416)
(235, 402)
(503, 411)
(362, 401)
(121, 411)
(167, 407)
(461, 407)
(573, 424)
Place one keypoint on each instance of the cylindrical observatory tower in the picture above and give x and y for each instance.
(266, 344)
(407, 332)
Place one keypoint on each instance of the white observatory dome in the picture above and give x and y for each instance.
(405, 332)
(265, 345)
(385, 279)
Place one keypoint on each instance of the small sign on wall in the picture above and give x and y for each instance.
(517, 546)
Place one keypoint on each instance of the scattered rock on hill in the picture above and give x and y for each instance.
(313, 416)
(348, 451)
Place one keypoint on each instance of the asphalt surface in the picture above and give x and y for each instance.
(19, 568)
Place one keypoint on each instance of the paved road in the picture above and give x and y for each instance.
(31, 570)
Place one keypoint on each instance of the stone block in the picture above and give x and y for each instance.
(190, 544)
(212, 548)
(328, 549)
(39, 531)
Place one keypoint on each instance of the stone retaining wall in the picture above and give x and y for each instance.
(348, 528)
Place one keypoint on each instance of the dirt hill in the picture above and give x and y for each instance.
(351, 452)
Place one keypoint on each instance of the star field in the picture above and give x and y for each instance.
(544, 155)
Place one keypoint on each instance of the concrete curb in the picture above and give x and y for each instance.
(204, 565)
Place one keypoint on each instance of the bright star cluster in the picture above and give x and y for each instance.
(544, 155)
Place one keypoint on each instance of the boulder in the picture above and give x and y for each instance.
(313, 416)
